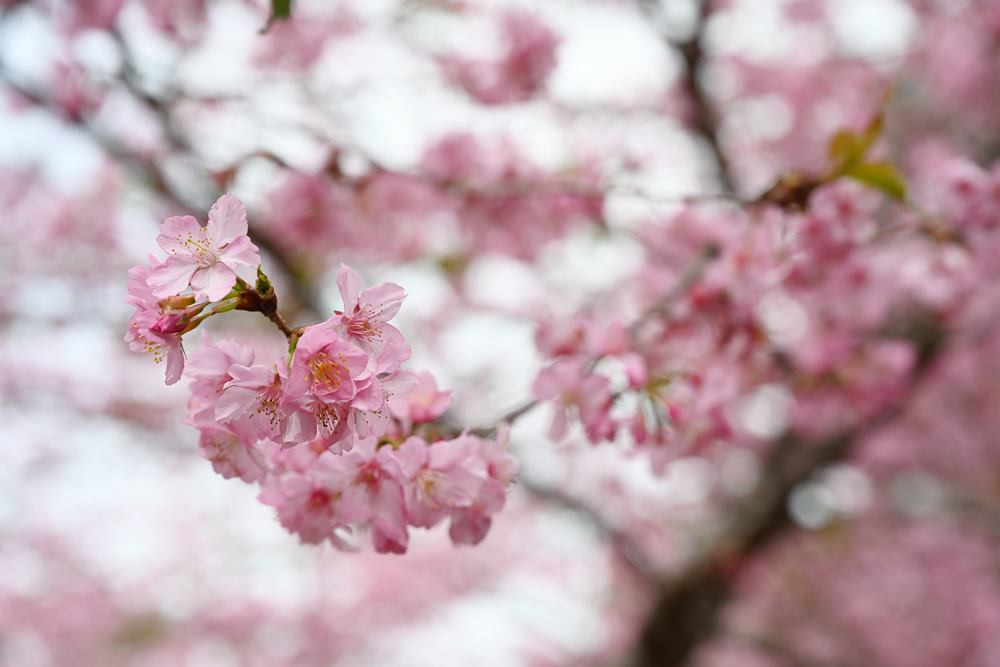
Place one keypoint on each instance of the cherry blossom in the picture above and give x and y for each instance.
(205, 258)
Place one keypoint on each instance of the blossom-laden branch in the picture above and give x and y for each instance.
(330, 431)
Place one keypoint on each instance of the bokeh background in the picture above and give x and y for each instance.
(499, 159)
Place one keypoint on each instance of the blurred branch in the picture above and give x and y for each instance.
(692, 50)
(779, 650)
(620, 540)
(687, 279)
(154, 174)
(687, 608)
(303, 291)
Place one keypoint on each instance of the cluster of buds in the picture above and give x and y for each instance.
(330, 431)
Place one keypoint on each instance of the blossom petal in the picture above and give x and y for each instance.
(241, 251)
(175, 231)
(384, 299)
(349, 283)
(213, 283)
(175, 363)
(227, 220)
(172, 277)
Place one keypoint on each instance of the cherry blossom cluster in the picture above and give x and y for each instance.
(749, 324)
(528, 58)
(470, 195)
(332, 432)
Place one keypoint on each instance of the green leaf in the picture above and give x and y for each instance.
(848, 148)
(881, 176)
(263, 286)
(281, 10)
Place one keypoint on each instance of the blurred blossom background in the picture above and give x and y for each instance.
(536, 175)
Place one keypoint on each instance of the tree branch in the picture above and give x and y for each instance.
(705, 117)
(688, 605)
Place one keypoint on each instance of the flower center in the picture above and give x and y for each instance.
(202, 249)
(362, 324)
(327, 373)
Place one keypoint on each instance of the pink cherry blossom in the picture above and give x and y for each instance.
(154, 327)
(375, 473)
(208, 369)
(366, 315)
(520, 72)
(576, 392)
(441, 477)
(253, 398)
(307, 504)
(205, 258)
(424, 403)
(231, 456)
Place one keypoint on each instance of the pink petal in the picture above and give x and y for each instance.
(173, 276)
(175, 231)
(350, 286)
(255, 376)
(227, 220)
(385, 300)
(241, 251)
(214, 282)
(233, 402)
(175, 363)
(412, 455)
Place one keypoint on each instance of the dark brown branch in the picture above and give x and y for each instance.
(705, 117)
(779, 650)
(688, 605)
(303, 292)
(266, 303)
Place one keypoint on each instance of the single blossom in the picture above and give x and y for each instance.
(424, 403)
(575, 391)
(330, 378)
(152, 327)
(370, 478)
(365, 318)
(232, 456)
(205, 258)
(311, 503)
(251, 401)
(208, 369)
(441, 477)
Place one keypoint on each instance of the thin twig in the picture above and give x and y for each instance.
(706, 118)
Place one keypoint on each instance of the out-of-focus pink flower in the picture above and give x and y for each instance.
(208, 369)
(95, 14)
(373, 479)
(576, 391)
(298, 42)
(178, 18)
(205, 258)
(528, 59)
(72, 91)
(423, 404)
(231, 456)
(471, 524)
(310, 504)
